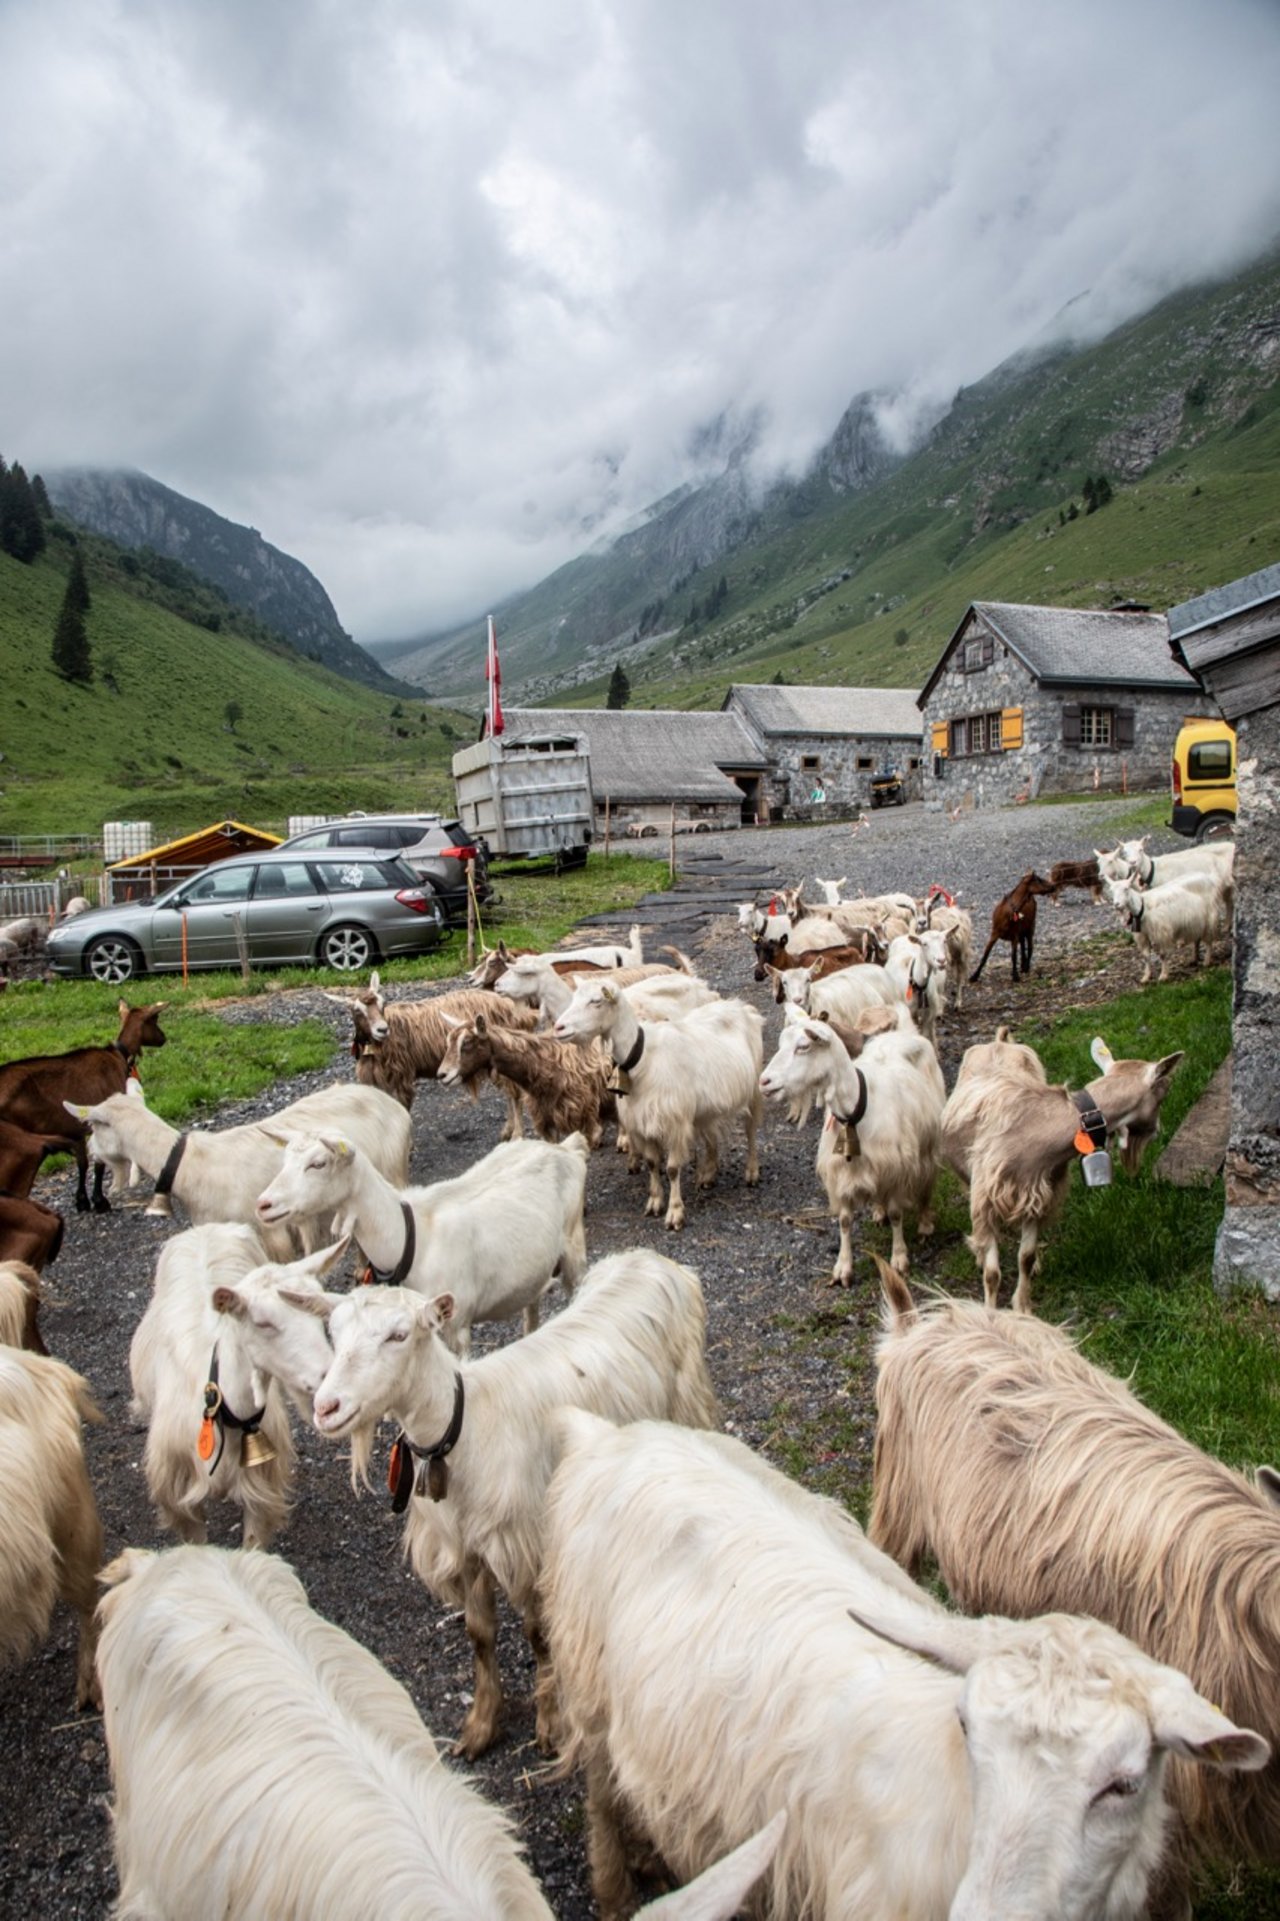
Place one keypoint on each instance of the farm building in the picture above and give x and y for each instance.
(830, 740)
(1031, 700)
(155, 869)
(1230, 639)
(645, 761)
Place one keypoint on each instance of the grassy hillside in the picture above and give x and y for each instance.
(150, 738)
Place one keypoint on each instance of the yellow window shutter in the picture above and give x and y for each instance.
(939, 732)
(1010, 728)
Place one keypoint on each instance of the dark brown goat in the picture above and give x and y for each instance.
(823, 960)
(32, 1091)
(29, 1231)
(22, 1155)
(1014, 919)
(1076, 873)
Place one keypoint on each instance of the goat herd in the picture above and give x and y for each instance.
(753, 1690)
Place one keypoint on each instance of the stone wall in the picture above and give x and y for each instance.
(1248, 1248)
(789, 783)
(1045, 763)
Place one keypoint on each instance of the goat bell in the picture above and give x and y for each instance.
(1096, 1168)
(256, 1452)
(159, 1206)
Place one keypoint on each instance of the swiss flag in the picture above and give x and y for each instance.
(493, 721)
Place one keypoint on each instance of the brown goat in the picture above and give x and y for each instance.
(32, 1091)
(1076, 873)
(1014, 919)
(1040, 1483)
(20, 1307)
(396, 1044)
(29, 1231)
(565, 1086)
(866, 947)
(499, 958)
(1012, 1138)
(22, 1155)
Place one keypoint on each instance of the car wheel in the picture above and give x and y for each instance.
(112, 959)
(1216, 827)
(348, 948)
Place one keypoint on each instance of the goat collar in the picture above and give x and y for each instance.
(169, 1172)
(632, 1060)
(130, 1060)
(859, 1106)
(218, 1415)
(1144, 856)
(1093, 1123)
(394, 1276)
(1136, 913)
(432, 1475)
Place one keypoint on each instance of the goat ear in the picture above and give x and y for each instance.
(1192, 1728)
(319, 1304)
(1101, 1056)
(1269, 1484)
(1162, 1070)
(433, 1314)
(951, 1640)
(721, 1889)
(339, 1000)
(123, 1009)
(480, 1024)
(76, 1108)
(325, 1257)
(227, 1301)
(608, 993)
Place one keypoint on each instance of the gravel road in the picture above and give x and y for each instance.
(790, 1360)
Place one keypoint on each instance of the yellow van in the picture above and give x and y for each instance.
(1204, 780)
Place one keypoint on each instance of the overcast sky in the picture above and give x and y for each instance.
(426, 291)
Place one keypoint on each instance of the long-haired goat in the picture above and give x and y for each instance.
(1014, 919)
(214, 1819)
(725, 1646)
(629, 1346)
(20, 1307)
(50, 1535)
(1037, 1481)
(1012, 1138)
(1192, 911)
(565, 1087)
(879, 1143)
(1131, 861)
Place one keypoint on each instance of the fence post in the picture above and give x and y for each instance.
(606, 827)
(471, 914)
(184, 947)
(671, 862)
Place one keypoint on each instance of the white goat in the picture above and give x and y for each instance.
(935, 917)
(20, 936)
(917, 966)
(1131, 861)
(843, 995)
(1192, 911)
(219, 1176)
(219, 1316)
(496, 1236)
(608, 956)
(682, 1081)
(879, 1145)
(831, 889)
(75, 906)
(629, 1345)
(1012, 1138)
(722, 1651)
(50, 1536)
(663, 992)
(374, 1828)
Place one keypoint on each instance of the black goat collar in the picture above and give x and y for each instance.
(1093, 1121)
(218, 1414)
(169, 1172)
(860, 1105)
(404, 1479)
(394, 1276)
(633, 1058)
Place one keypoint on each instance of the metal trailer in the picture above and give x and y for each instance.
(529, 796)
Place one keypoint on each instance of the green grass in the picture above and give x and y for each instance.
(209, 1060)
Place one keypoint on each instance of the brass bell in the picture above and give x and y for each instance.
(256, 1451)
(160, 1205)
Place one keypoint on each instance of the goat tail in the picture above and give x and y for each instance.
(681, 959)
(986, 955)
(1003, 1033)
(898, 1310)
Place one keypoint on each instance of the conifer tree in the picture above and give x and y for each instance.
(619, 687)
(42, 500)
(71, 654)
(21, 528)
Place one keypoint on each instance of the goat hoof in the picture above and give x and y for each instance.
(473, 1741)
(675, 1222)
(102, 1205)
(82, 1204)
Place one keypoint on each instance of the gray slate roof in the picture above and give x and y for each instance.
(1079, 646)
(650, 755)
(1236, 597)
(828, 710)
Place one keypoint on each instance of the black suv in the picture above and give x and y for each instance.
(436, 849)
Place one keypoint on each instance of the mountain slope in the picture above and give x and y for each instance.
(135, 511)
(814, 567)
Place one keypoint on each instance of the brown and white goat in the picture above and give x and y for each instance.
(1037, 1481)
(1012, 1138)
(565, 1087)
(1014, 919)
(780, 954)
(396, 1044)
(32, 1091)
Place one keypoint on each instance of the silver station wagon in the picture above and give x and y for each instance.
(344, 909)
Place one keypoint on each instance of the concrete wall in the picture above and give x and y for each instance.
(1248, 1248)
(1045, 764)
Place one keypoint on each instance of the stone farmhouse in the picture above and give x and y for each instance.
(1230, 638)
(829, 741)
(1031, 700)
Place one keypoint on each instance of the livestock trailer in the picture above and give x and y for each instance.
(528, 796)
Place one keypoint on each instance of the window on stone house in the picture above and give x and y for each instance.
(975, 734)
(810, 763)
(1097, 726)
(864, 763)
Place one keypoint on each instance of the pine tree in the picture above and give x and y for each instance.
(21, 528)
(619, 687)
(71, 654)
(41, 494)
